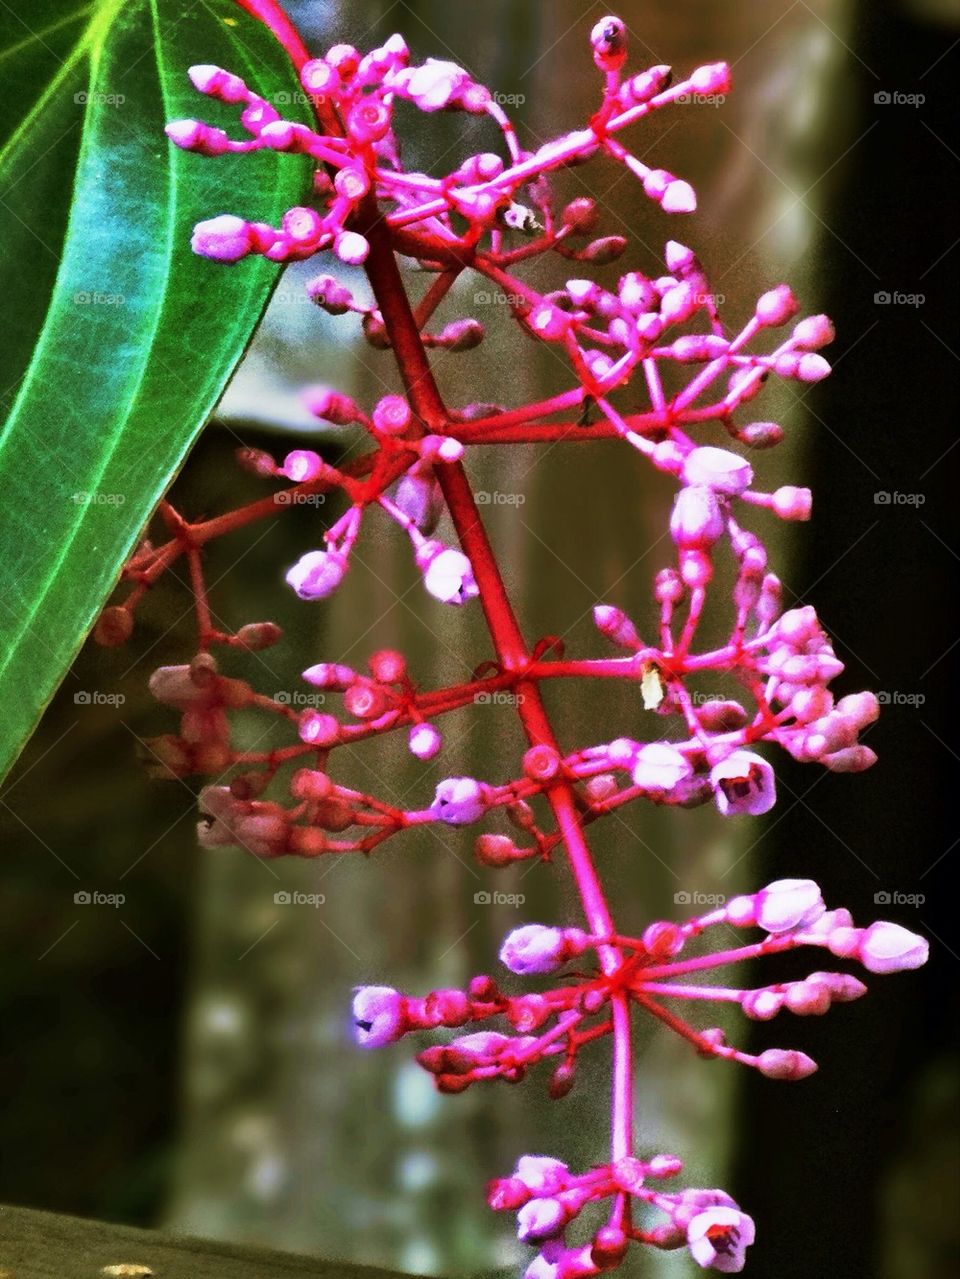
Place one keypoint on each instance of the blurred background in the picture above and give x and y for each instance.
(184, 1059)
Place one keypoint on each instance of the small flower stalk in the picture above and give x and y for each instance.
(651, 363)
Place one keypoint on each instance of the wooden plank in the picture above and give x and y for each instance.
(43, 1245)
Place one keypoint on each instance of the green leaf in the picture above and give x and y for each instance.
(118, 340)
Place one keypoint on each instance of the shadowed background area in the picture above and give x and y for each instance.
(184, 1059)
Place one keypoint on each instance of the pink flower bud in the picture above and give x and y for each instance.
(636, 292)
(851, 759)
(609, 41)
(540, 1219)
(433, 86)
(607, 249)
(302, 225)
(776, 307)
(318, 76)
(345, 60)
(302, 466)
(224, 239)
(330, 675)
(743, 783)
(713, 78)
(351, 248)
(889, 948)
(785, 1063)
(497, 850)
(369, 121)
(392, 415)
(549, 323)
(659, 768)
(330, 405)
(378, 1016)
(717, 469)
(351, 182)
(580, 215)
(330, 294)
(447, 574)
(812, 368)
(615, 626)
(678, 304)
(813, 333)
(255, 636)
(719, 1237)
(792, 503)
(460, 801)
(787, 904)
(217, 83)
(317, 574)
(760, 435)
(424, 741)
(761, 1005)
(646, 85)
(534, 949)
(318, 729)
(696, 521)
(461, 335)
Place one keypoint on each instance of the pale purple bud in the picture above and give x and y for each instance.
(615, 626)
(646, 85)
(217, 83)
(696, 520)
(549, 323)
(317, 574)
(424, 741)
(609, 41)
(813, 333)
(636, 292)
(447, 574)
(777, 306)
(812, 368)
(717, 469)
(697, 347)
(330, 405)
(719, 1237)
(378, 1016)
(392, 415)
(787, 904)
(713, 78)
(743, 783)
(318, 76)
(460, 801)
(658, 768)
(792, 503)
(302, 466)
(889, 948)
(861, 708)
(678, 304)
(606, 249)
(330, 294)
(330, 675)
(535, 949)
(541, 1174)
(762, 1005)
(760, 435)
(316, 728)
(224, 239)
(540, 1219)
(807, 998)
(433, 86)
(679, 197)
(785, 1063)
(303, 225)
(851, 759)
(351, 247)
(420, 498)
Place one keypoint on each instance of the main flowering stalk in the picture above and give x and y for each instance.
(491, 215)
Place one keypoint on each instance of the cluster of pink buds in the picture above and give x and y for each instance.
(658, 336)
(553, 1025)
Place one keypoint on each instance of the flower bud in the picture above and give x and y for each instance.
(696, 521)
(378, 1016)
(424, 741)
(317, 574)
(889, 948)
(785, 1063)
(776, 307)
(743, 783)
(615, 626)
(792, 503)
(717, 469)
(459, 801)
